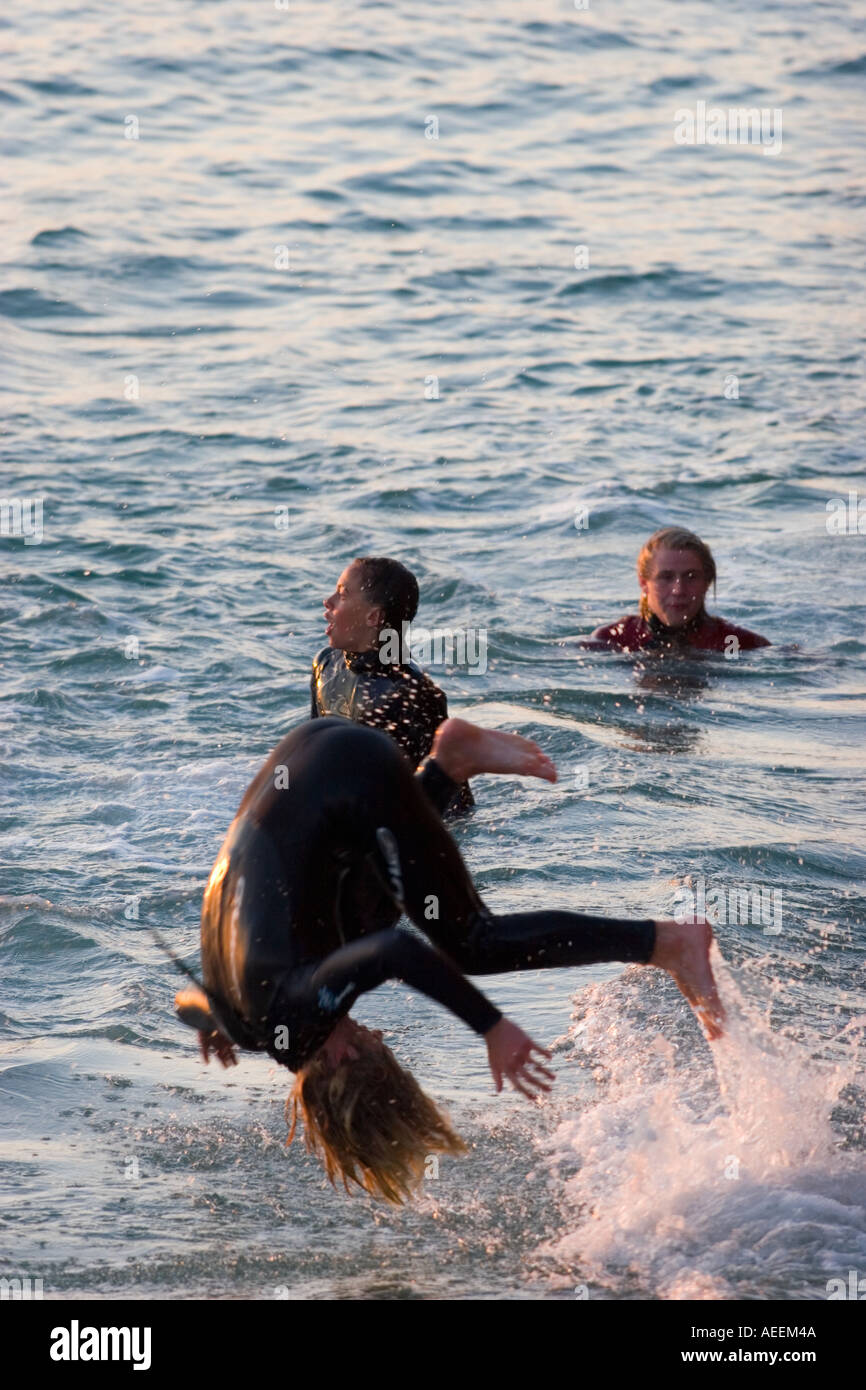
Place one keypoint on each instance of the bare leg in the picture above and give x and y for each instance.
(683, 950)
(465, 750)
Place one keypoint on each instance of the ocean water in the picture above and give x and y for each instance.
(260, 314)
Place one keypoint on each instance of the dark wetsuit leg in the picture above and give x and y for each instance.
(441, 899)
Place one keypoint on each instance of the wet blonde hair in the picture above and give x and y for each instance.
(369, 1122)
(673, 538)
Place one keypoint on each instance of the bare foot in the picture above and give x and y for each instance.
(465, 750)
(683, 950)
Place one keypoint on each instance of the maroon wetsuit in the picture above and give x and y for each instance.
(634, 633)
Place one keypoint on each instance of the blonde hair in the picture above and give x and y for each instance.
(369, 1122)
(673, 538)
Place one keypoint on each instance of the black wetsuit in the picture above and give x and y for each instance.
(399, 699)
(299, 912)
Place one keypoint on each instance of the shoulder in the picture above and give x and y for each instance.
(433, 695)
(323, 659)
(626, 632)
(427, 681)
(413, 675)
(721, 630)
(408, 682)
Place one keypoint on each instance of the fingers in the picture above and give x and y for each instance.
(545, 1072)
(528, 1085)
(220, 1046)
(224, 1050)
(513, 1054)
(539, 1073)
(530, 1078)
(539, 1066)
(539, 1076)
(530, 1095)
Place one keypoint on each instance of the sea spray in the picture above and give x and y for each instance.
(698, 1171)
(778, 1100)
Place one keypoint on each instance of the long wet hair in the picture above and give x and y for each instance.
(673, 538)
(369, 1123)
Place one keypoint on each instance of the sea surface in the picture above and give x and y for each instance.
(284, 285)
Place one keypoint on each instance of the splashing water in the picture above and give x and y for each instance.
(698, 1172)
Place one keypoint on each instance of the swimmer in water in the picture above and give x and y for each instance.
(352, 675)
(334, 839)
(675, 569)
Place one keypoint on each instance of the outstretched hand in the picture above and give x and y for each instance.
(219, 1045)
(509, 1052)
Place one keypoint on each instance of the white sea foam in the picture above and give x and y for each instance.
(704, 1173)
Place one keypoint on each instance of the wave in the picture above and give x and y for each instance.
(26, 303)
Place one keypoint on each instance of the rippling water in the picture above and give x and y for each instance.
(283, 326)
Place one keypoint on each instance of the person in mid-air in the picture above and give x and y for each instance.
(675, 569)
(333, 840)
(353, 676)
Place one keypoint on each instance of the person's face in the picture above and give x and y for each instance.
(675, 585)
(353, 622)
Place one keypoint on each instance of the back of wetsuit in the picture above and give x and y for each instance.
(244, 921)
(295, 879)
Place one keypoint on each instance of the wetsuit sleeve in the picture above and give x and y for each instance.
(436, 784)
(610, 635)
(461, 799)
(314, 704)
(750, 640)
(365, 964)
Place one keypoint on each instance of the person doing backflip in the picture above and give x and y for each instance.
(334, 838)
